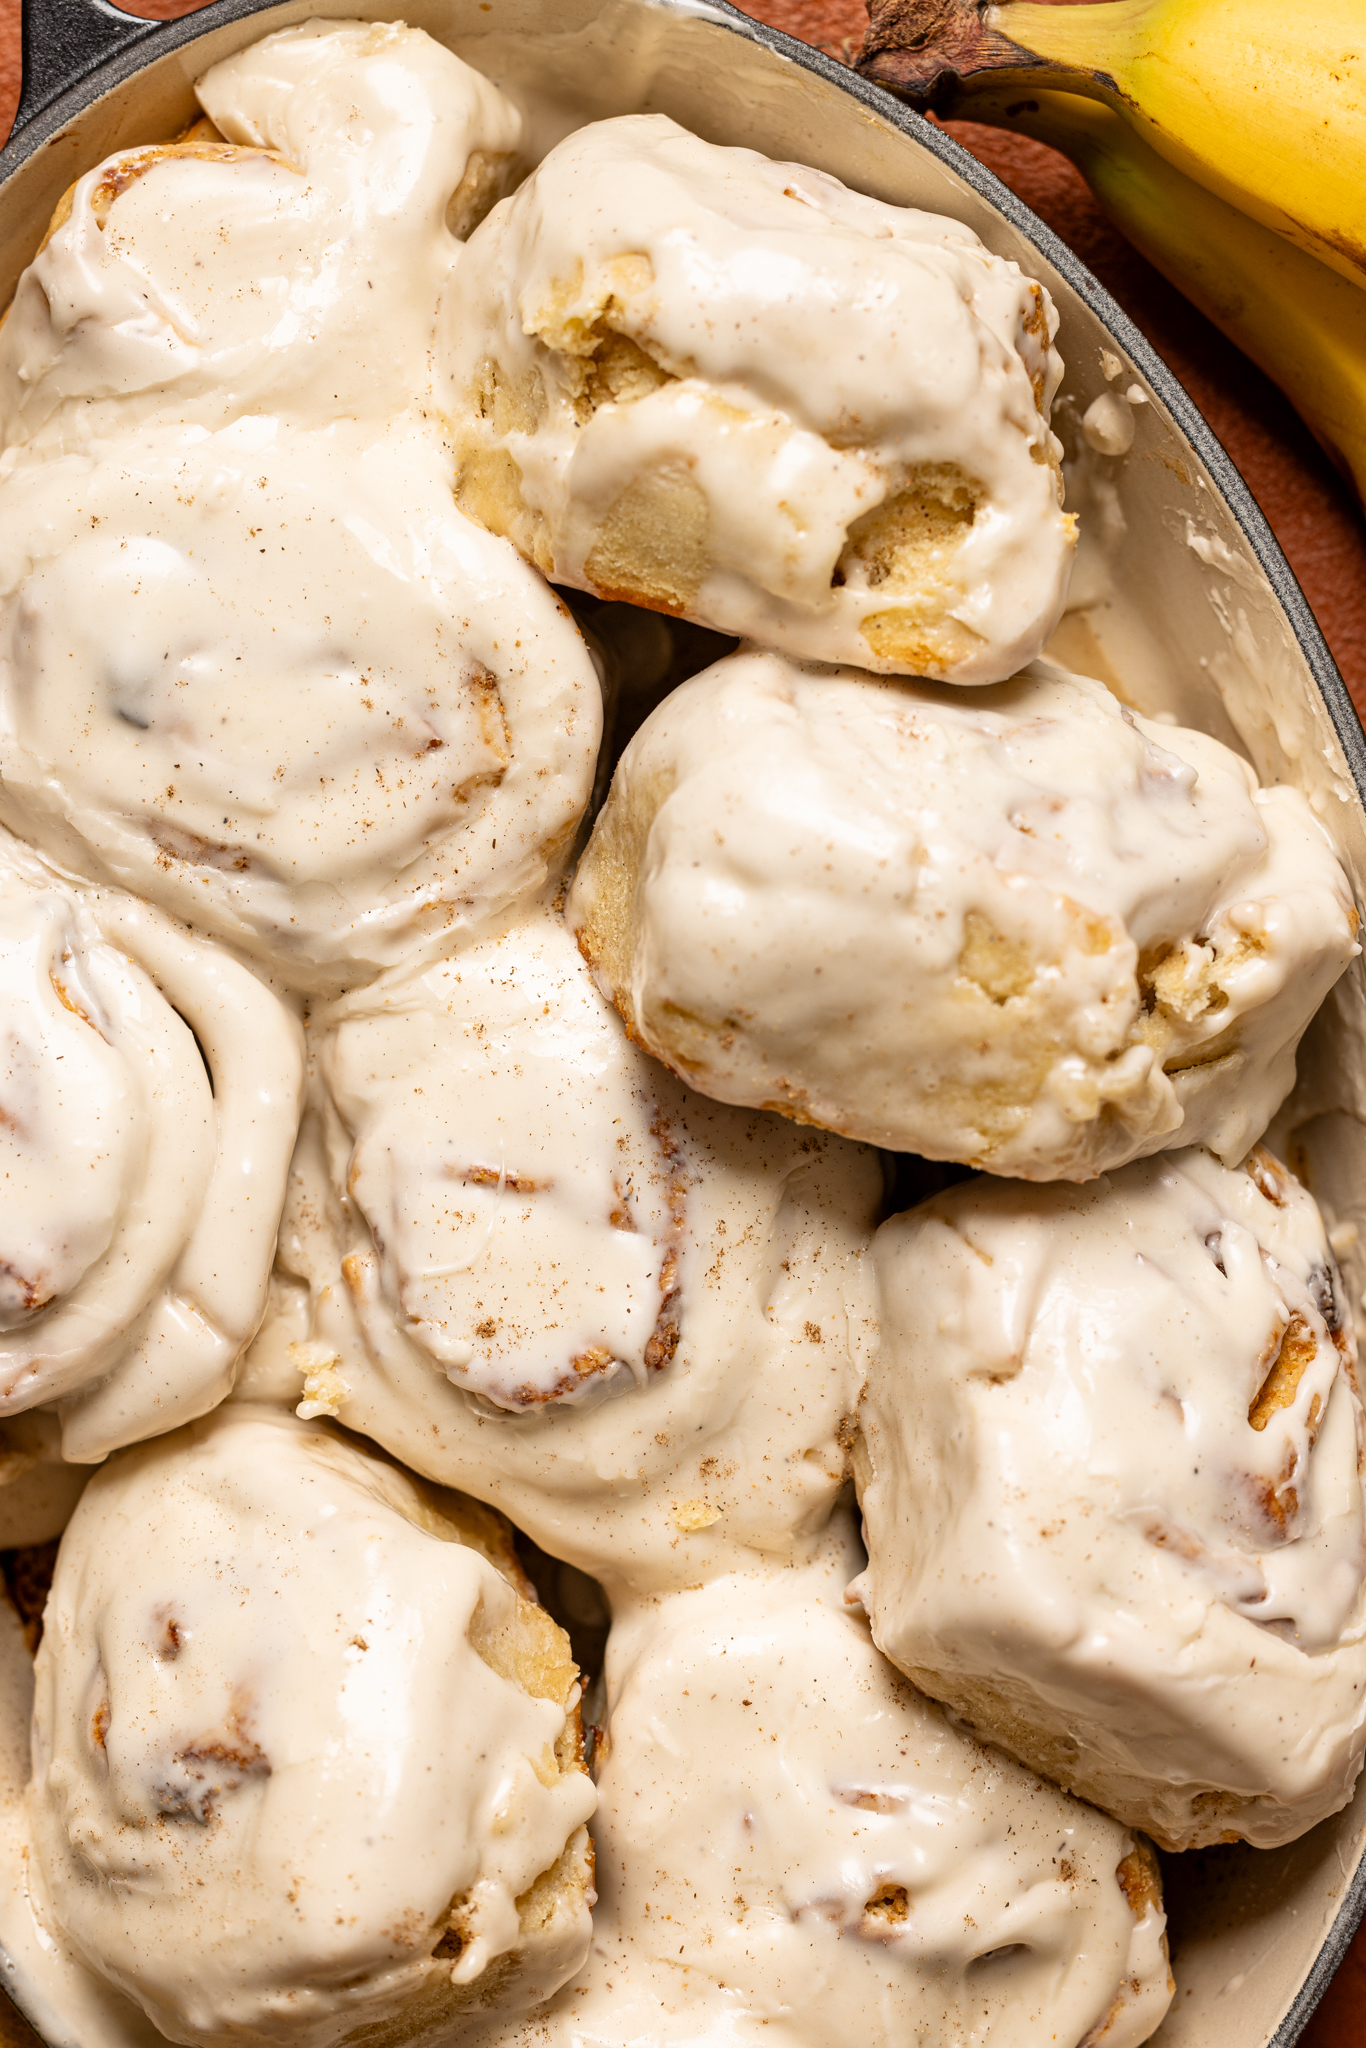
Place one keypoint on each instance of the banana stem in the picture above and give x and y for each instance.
(932, 52)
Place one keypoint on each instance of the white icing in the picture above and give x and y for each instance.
(744, 280)
(1094, 1512)
(766, 1778)
(274, 681)
(197, 285)
(143, 1181)
(783, 889)
(1108, 424)
(74, 1115)
(730, 1313)
(268, 1757)
(515, 1161)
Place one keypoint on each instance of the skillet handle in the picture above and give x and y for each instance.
(62, 41)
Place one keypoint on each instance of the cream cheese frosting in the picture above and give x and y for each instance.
(795, 1846)
(302, 1752)
(658, 399)
(1026, 928)
(1110, 1474)
(504, 1206)
(296, 267)
(276, 682)
(519, 1170)
(151, 1090)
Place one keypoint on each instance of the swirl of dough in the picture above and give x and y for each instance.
(544, 1271)
(352, 151)
(1025, 929)
(658, 399)
(791, 1838)
(1125, 1534)
(306, 1759)
(277, 683)
(151, 1092)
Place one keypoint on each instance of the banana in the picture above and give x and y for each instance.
(1261, 102)
(1301, 322)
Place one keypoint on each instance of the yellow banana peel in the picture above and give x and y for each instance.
(1262, 102)
(1301, 322)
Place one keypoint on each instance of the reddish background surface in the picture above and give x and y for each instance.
(1311, 510)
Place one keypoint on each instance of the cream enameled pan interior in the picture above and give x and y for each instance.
(1171, 607)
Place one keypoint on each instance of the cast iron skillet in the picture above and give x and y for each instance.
(1196, 612)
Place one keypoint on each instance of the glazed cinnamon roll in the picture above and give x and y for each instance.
(151, 1090)
(276, 683)
(1025, 928)
(1110, 1471)
(790, 1836)
(658, 398)
(542, 1270)
(287, 258)
(307, 1757)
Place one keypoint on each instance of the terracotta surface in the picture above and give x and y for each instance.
(1311, 509)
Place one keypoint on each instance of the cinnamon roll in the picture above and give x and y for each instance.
(1023, 928)
(1110, 1471)
(151, 1091)
(540, 1269)
(276, 683)
(287, 258)
(791, 1837)
(658, 398)
(306, 1755)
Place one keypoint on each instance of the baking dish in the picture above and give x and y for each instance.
(1182, 602)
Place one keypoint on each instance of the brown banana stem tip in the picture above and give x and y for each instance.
(928, 51)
